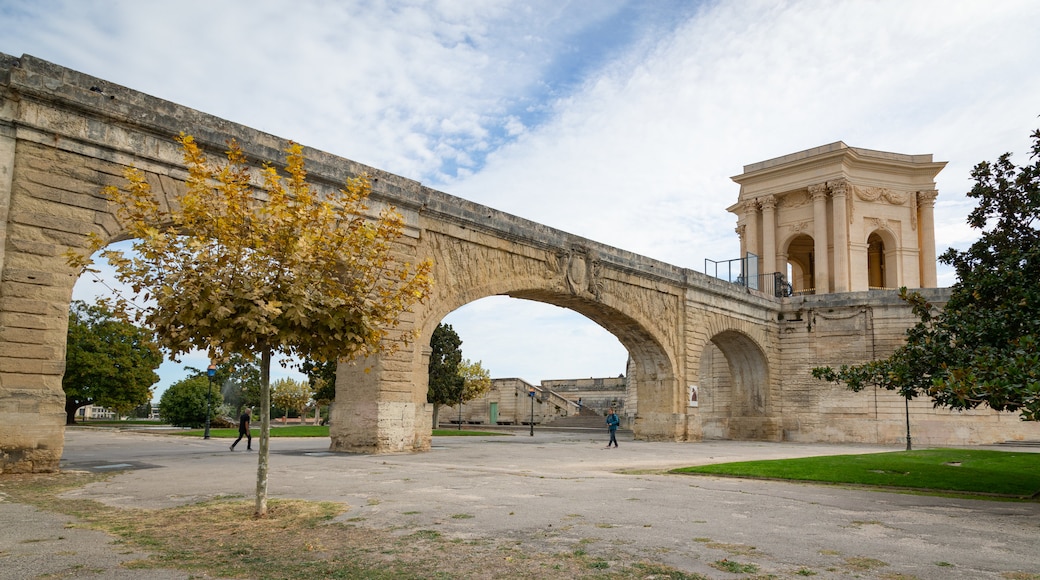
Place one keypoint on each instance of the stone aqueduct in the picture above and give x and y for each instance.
(64, 135)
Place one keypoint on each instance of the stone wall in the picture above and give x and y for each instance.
(853, 328)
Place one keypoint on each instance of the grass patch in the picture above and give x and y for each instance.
(734, 567)
(458, 433)
(969, 471)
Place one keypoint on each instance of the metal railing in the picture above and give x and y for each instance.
(744, 272)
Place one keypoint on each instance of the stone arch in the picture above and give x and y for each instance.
(801, 262)
(53, 206)
(651, 369)
(736, 385)
(882, 259)
(469, 269)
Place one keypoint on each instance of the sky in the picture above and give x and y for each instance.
(621, 121)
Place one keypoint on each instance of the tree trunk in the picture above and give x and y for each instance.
(265, 433)
(436, 413)
(70, 411)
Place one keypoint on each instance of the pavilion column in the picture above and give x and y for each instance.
(741, 230)
(819, 197)
(926, 236)
(840, 221)
(751, 221)
(768, 234)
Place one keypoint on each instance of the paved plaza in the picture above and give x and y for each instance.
(554, 490)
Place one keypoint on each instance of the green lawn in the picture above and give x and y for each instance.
(1004, 473)
(276, 431)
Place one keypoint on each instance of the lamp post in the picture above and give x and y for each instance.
(530, 394)
(460, 410)
(210, 371)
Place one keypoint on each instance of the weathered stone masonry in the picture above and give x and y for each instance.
(65, 135)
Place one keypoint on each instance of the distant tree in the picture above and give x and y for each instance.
(983, 347)
(227, 268)
(289, 394)
(108, 362)
(446, 384)
(322, 378)
(142, 411)
(476, 380)
(185, 402)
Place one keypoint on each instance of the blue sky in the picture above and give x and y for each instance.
(621, 121)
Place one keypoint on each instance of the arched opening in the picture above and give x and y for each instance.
(875, 262)
(881, 273)
(633, 350)
(801, 265)
(576, 367)
(734, 395)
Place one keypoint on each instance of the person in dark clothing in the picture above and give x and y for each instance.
(612, 425)
(243, 431)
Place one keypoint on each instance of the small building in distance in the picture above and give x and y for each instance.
(510, 402)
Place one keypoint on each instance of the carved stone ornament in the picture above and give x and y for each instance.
(796, 199)
(881, 194)
(876, 223)
(580, 272)
(818, 191)
(800, 227)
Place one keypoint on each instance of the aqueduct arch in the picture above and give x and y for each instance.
(471, 263)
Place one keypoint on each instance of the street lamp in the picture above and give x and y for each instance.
(210, 371)
(460, 410)
(530, 394)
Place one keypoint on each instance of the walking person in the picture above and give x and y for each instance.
(612, 425)
(243, 431)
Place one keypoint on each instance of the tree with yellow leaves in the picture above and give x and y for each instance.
(291, 395)
(230, 267)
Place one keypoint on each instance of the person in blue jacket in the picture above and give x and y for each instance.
(612, 425)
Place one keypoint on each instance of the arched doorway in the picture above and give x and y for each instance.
(801, 265)
(881, 271)
(735, 396)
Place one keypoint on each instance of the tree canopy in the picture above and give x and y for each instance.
(286, 269)
(185, 403)
(108, 362)
(453, 380)
(476, 380)
(322, 378)
(445, 383)
(982, 348)
(229, 267)
(291, 395)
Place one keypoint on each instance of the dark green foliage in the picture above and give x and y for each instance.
(982, 348)
(108, 362)
(446, 384)
(322, 378)
(184, 403)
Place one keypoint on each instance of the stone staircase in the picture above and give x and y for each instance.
(585, 419)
